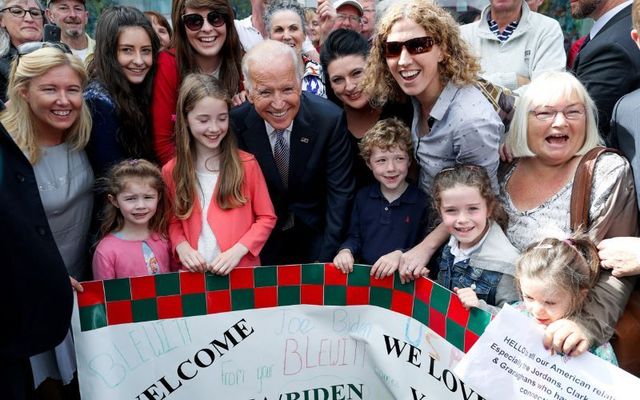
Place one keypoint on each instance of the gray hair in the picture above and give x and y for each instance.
(283, 5)
(5, 39)
(546, 89)
(266, 53)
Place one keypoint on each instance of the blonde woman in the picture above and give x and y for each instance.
(49, 121)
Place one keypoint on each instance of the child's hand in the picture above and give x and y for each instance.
(190, 258)
(76, 285)
(565, 336)
(386, 265)
(344, 261)
(468, 297)
(225, 262)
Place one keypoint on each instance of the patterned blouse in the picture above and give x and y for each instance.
(551, 218)
(313, 78)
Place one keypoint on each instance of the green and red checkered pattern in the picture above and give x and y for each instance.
(184, 294)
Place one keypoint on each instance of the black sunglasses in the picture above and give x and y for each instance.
(417, 45)
(30, 47)
(194, 22)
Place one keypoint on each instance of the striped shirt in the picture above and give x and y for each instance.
(506, 33)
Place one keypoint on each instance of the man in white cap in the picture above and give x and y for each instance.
(348, 15)
(72, 17)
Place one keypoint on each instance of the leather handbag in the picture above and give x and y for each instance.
(627, 331)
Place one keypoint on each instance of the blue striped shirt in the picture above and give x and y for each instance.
(506, 33)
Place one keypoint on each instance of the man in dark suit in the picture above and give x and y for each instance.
(609, 62)
(301, 142)
(625, 122)
(35, 293)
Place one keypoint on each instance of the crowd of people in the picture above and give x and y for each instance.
(354, 132)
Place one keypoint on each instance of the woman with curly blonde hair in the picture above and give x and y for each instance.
(418, 52)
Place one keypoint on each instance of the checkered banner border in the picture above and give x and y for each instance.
(185, 294)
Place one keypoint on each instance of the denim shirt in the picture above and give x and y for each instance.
(462, 275)
(491, 268)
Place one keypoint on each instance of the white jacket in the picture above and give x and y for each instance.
(537, 45)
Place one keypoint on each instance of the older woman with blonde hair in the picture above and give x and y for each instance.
(21, 21)
(418, 52)
(554, 126)
(49, 121)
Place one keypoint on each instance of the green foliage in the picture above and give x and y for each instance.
(95, 7)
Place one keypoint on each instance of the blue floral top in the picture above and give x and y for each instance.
(313, 79)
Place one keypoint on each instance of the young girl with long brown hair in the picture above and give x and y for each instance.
(222, 212)
(134, 224)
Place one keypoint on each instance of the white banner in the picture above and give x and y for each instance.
(510, 362)
(288, 353)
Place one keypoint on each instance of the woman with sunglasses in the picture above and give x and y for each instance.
(344, 60)
(119, 93)
(21, 21)
(205, 41)
(284, 21)
(49, 121)
(418, 52)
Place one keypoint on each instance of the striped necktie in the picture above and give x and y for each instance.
(281, 156)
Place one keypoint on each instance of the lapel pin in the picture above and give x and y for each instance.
(304, 140)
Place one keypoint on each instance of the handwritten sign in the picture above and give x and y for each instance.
(289, 333)
(510, 362)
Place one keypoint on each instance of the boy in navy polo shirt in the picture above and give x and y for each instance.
(388, 216)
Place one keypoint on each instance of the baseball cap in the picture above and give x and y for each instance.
(354, 3)
(53, 1)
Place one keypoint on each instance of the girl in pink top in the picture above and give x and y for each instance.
(222, 213)
(133, 226)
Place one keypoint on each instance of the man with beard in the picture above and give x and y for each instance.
(71, 16)
(608, 64)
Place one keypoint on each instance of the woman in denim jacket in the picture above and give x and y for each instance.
(478, 263)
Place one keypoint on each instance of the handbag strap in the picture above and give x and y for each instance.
(581, 189)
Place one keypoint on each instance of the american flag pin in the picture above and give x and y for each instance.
(304, 140)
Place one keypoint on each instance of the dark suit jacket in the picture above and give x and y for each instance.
(609, 66)
(35, 292)
(625, 132)
(321, 184)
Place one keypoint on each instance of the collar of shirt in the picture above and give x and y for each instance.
(409, 196)
(606, 17)
(506, 33)
(271, 132)
(463, 254)
(442, 104)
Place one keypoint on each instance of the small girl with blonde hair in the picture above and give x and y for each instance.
(133, 227)
(222, 213)
(554, 278)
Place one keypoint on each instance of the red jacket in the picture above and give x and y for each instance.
(250, 224)
(163, 105)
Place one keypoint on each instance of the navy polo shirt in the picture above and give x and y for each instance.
(379, 227)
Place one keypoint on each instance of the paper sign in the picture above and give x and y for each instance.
(510, 362)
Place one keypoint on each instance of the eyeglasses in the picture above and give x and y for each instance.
(20, 12)
(571, 113)
(194, 22)
(414, 46)
(30, 47)
(354, 19)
